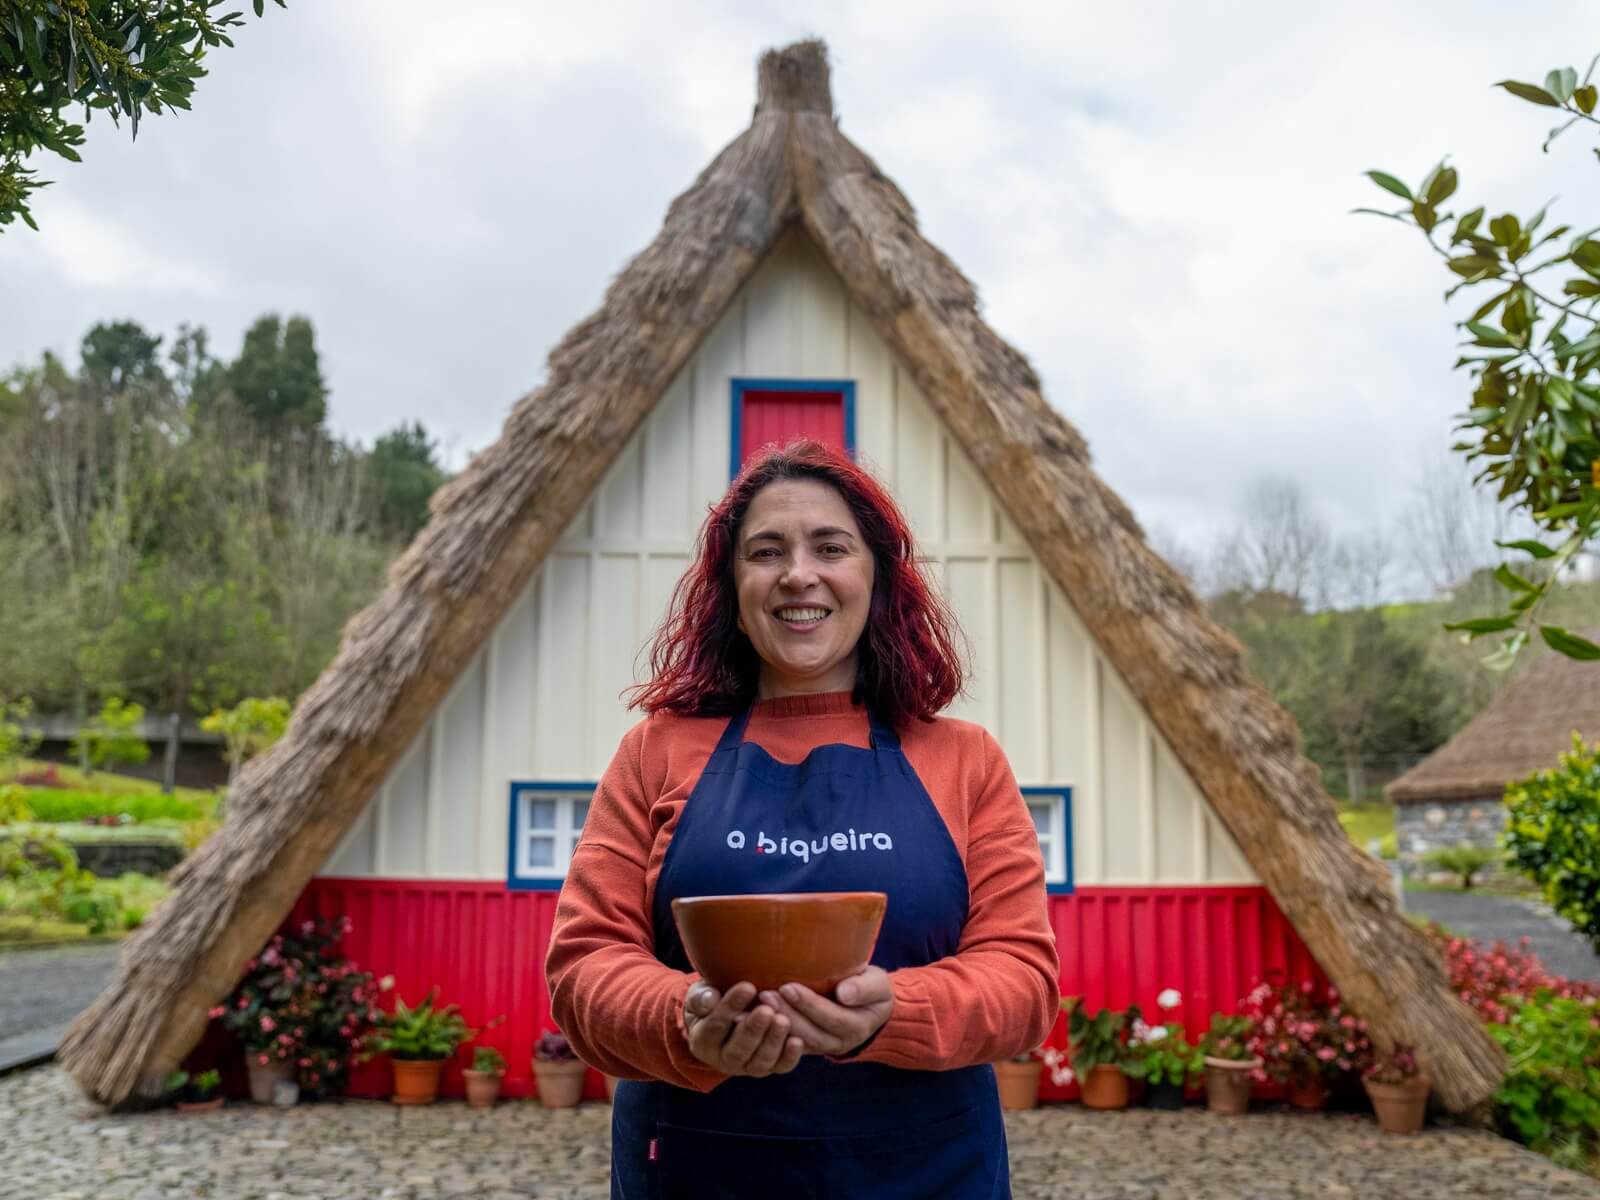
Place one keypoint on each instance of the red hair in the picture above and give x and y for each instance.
(907, 665)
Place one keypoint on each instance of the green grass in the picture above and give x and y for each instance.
(17, 929)
(106, 782)
(63, 805)
(1363, 822)
(1520, 891)
(78, 833)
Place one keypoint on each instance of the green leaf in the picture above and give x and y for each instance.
(1584, 97)
(1564, 642)
(1468, 223)
(1526, 91)
(1560, 83)
(1529, 547)
(1507, 578)
(259, 5)
(1505, 228)
(1581, 287)
(1475, 266)
(1488, 335)
(1479, 626)
(1390, 184)
(1442, 186)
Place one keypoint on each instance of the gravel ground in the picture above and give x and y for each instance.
(46, 987)
(59, 1147)
(1505, 918)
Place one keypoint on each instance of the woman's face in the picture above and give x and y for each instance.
(803, 575)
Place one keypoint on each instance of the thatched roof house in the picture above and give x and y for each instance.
(1524, 729)
(1157, 665)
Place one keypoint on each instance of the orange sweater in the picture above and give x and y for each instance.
(622, 1008)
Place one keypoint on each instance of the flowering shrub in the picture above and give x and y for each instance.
(1161, 1054)
(1227, 1039)
(1100, 1040)
(1300, 1031)
(554, 1047)
(1485, 978)
(1396, 1067)
(303, 1002)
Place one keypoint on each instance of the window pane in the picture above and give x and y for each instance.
(580, 810)
(541, 852)
(541, 814)
(1041, 816)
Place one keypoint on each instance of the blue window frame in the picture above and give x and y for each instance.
(1051, 809)
(842, 387)
(545, 820)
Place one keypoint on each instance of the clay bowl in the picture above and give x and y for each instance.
(814, 938)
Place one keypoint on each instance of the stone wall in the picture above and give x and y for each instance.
(110, 859)
(1422, 827)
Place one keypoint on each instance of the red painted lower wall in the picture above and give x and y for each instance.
(484, 947)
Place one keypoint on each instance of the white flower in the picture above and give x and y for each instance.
(1140, 1031)
(386, 983)
(1158, 1033)
(1062, 1077)
(1169, 999)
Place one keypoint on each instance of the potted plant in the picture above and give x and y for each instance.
(1162, 1056)
(1398, 1088)
(1018, 1080)
(419, 1040)
(1230, 1066)
(1305, 1038)
(1098, 1052)
(483, 1080)
(558, 1070)
(303, 1011)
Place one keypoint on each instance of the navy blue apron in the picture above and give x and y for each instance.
(844, 820)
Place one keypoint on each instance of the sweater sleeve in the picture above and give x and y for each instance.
(998, 994)
(621, 1007)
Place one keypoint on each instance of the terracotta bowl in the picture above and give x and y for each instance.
(814, 938)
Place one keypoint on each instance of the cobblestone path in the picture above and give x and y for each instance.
(59, 1147)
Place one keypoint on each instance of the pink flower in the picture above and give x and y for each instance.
(216, 1012)
(262, 1059)
(268, 1024)
(306, 927)
(1326, 1054)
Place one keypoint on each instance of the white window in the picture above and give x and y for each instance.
(546, 820)
(1051, 809)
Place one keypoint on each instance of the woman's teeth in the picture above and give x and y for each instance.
(802, 616)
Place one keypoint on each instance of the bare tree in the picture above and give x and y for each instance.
(1280, 545)
(1451, 527)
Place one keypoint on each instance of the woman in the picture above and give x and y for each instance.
(795, 688)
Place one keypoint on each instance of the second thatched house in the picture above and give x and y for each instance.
(433, 781)
(1455, 796)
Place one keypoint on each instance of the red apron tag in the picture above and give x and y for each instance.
(652, 1154)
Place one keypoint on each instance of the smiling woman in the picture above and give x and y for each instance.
(794, 745)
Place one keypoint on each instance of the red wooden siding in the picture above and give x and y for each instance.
(484, 946)
(774, 416)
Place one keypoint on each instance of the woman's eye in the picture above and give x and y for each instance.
(833, 548)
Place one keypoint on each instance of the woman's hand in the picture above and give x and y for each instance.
(861, 1005)
(727, 1038)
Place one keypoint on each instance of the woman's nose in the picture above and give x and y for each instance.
(800, 573)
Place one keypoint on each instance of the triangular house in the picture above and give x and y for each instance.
(437, 767)
(1457, 793)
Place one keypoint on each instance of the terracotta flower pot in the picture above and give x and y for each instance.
(1310, 1094)
(1228, 1084)
(814, 938)
(611, 1089)
(1104, 1087)
(416, 1080)
(560, 1083)
(483, 1088)
(200, 1106)
(265, 1077)
(1019, 1083)
(1400, 1107)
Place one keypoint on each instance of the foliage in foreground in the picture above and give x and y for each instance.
(42, 890)
(1553, 835)
(1550, 1099)
(1533, 428)
(124, 57)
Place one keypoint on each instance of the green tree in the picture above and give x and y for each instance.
(404, 476)
(112, 736)
(277, 378)
(1533, 428)
(125, 57)
(248, 728)
(1553, 835)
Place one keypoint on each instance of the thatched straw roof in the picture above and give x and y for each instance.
(1524, 729)
(492, 527)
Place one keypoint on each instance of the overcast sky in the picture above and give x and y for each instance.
(1152, 198)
